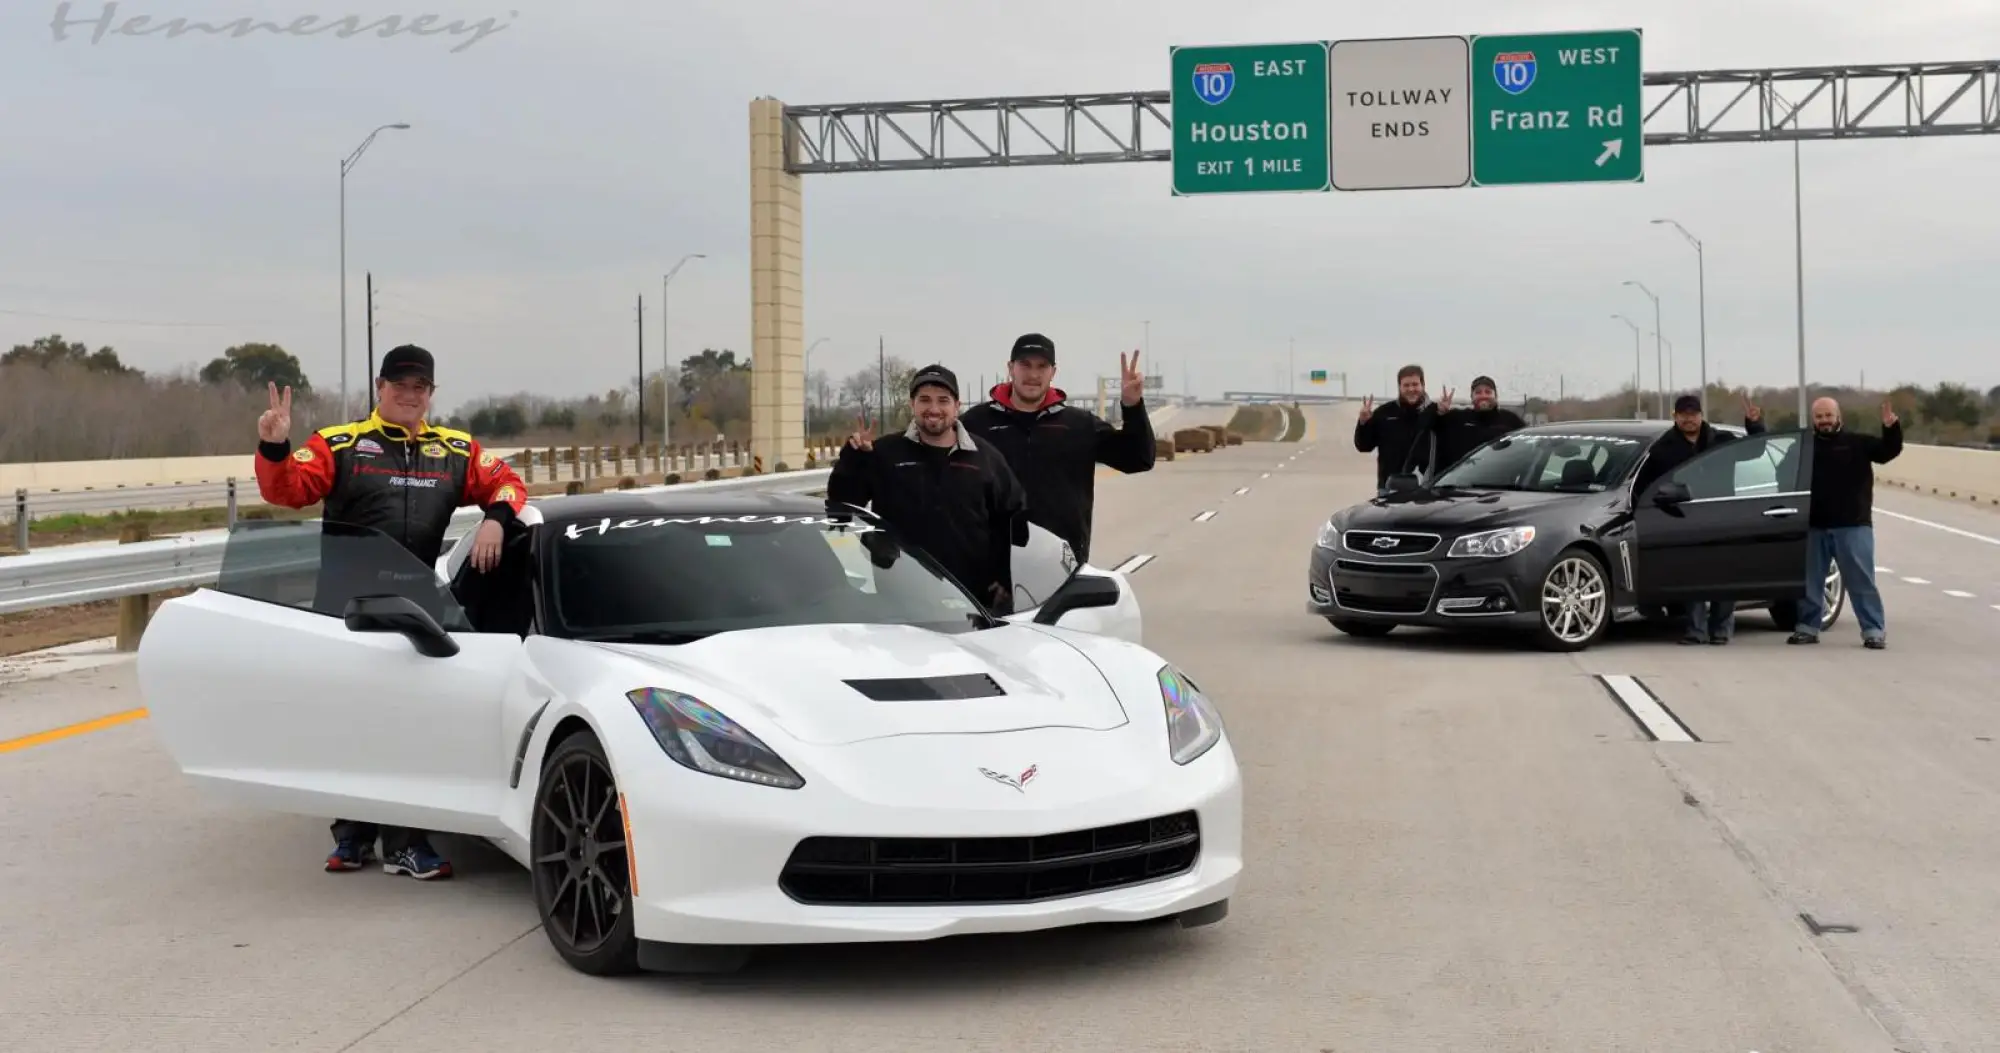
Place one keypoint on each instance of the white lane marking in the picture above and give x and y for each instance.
(1266, 475)
(1941, 526)
(1883, 570)
(1242, 491)
(1134, 563)
(1647, 710)
(1918, 581)
(1205, 516)
(1960, 595)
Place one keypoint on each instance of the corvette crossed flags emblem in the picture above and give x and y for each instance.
(1018, 782)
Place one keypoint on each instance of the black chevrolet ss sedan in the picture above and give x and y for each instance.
(1540, 531)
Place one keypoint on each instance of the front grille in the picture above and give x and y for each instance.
(969, 870)
(1383, 588)
(1388, 543)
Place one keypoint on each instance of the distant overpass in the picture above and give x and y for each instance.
(1281, 396)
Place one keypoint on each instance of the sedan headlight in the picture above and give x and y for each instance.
(1494, 542)
(1329, 537)
(1193, 723)
(698, 737)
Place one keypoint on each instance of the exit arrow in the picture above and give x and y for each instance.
(1612, 148)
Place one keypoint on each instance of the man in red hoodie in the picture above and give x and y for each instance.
(1054, 448)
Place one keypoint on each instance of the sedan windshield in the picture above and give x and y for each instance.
(1545, 463)
(674, 579)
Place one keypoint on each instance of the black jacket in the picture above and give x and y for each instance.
(1390, 432)
(1843, 474)
(1054, 451)
(961, 504)
(1460, 431)
(1672, 450)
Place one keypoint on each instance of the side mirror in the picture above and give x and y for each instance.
(1402, 482)
(1079, 592)
(400, 614)
(1670, 494)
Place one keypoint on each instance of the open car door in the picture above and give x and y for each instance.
(328, 672)
(1729, 523)
(1052, 588)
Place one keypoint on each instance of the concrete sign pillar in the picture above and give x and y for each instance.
(777, 295)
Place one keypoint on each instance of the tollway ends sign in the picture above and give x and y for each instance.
(1408, 113)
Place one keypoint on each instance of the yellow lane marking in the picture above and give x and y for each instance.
(42, 738)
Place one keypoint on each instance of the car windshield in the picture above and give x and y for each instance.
(674, 579)
(1545, 462)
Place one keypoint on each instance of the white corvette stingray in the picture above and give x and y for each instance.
(708, 722)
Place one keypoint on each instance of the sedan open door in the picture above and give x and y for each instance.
(1729, 523)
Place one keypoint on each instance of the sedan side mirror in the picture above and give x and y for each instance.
(400, 614)
(1402, 482)
(1671, 494)
(1079, 592)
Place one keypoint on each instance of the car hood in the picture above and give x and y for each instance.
(802, 679)
(1455, 509)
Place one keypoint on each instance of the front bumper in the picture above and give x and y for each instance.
(1428, 590)
(719, 863)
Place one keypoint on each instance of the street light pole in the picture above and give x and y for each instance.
(1638, 403)
(1701, 277)
(666, 356)
(346, 165)
(1799, 263)
(1659, 351)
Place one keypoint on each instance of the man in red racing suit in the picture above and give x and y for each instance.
(396, 474)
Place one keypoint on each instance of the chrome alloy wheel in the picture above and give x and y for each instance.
(1835, 593)
(1574, 600)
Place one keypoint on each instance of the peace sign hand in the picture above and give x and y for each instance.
(1132, 383)
(1888, 414)
(1751, 413)
(863, 437)
(275, 425)
(1444, 401)
(1367, 407)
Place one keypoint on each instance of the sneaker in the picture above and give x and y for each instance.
(1718, 640)
(1802, 638)
(421, 863)
(1692, 639)
(1875, 643)
(349, 854)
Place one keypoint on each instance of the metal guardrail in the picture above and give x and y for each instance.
(70, 575)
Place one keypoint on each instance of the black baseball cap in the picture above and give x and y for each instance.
(934, 374)
(1687, 404)
(1484, 382)
(408, 360)
(1032, 344)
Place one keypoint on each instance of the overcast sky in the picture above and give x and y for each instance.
(559, 166)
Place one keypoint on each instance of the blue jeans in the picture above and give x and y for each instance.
(1853, 548)
(1711, 619)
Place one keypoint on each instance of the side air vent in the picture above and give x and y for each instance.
(928, 688)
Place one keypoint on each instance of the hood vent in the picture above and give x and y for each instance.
(928, 688)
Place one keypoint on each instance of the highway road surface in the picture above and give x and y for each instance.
(1452, 845)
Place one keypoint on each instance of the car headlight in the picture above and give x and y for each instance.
(1193, 723)
(1504, 542)
(1329, 537)
(698, 737)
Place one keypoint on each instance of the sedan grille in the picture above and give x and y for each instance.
(1388, 543)
(972, 870)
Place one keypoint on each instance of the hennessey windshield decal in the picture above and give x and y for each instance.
(606, 525)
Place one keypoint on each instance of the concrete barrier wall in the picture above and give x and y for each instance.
(147, 471)
(1950, 472)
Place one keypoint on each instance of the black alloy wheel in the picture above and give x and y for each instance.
(577, 847)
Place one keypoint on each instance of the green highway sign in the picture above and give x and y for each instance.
(1556, 108)
(1250, 118)
(1319, 376)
